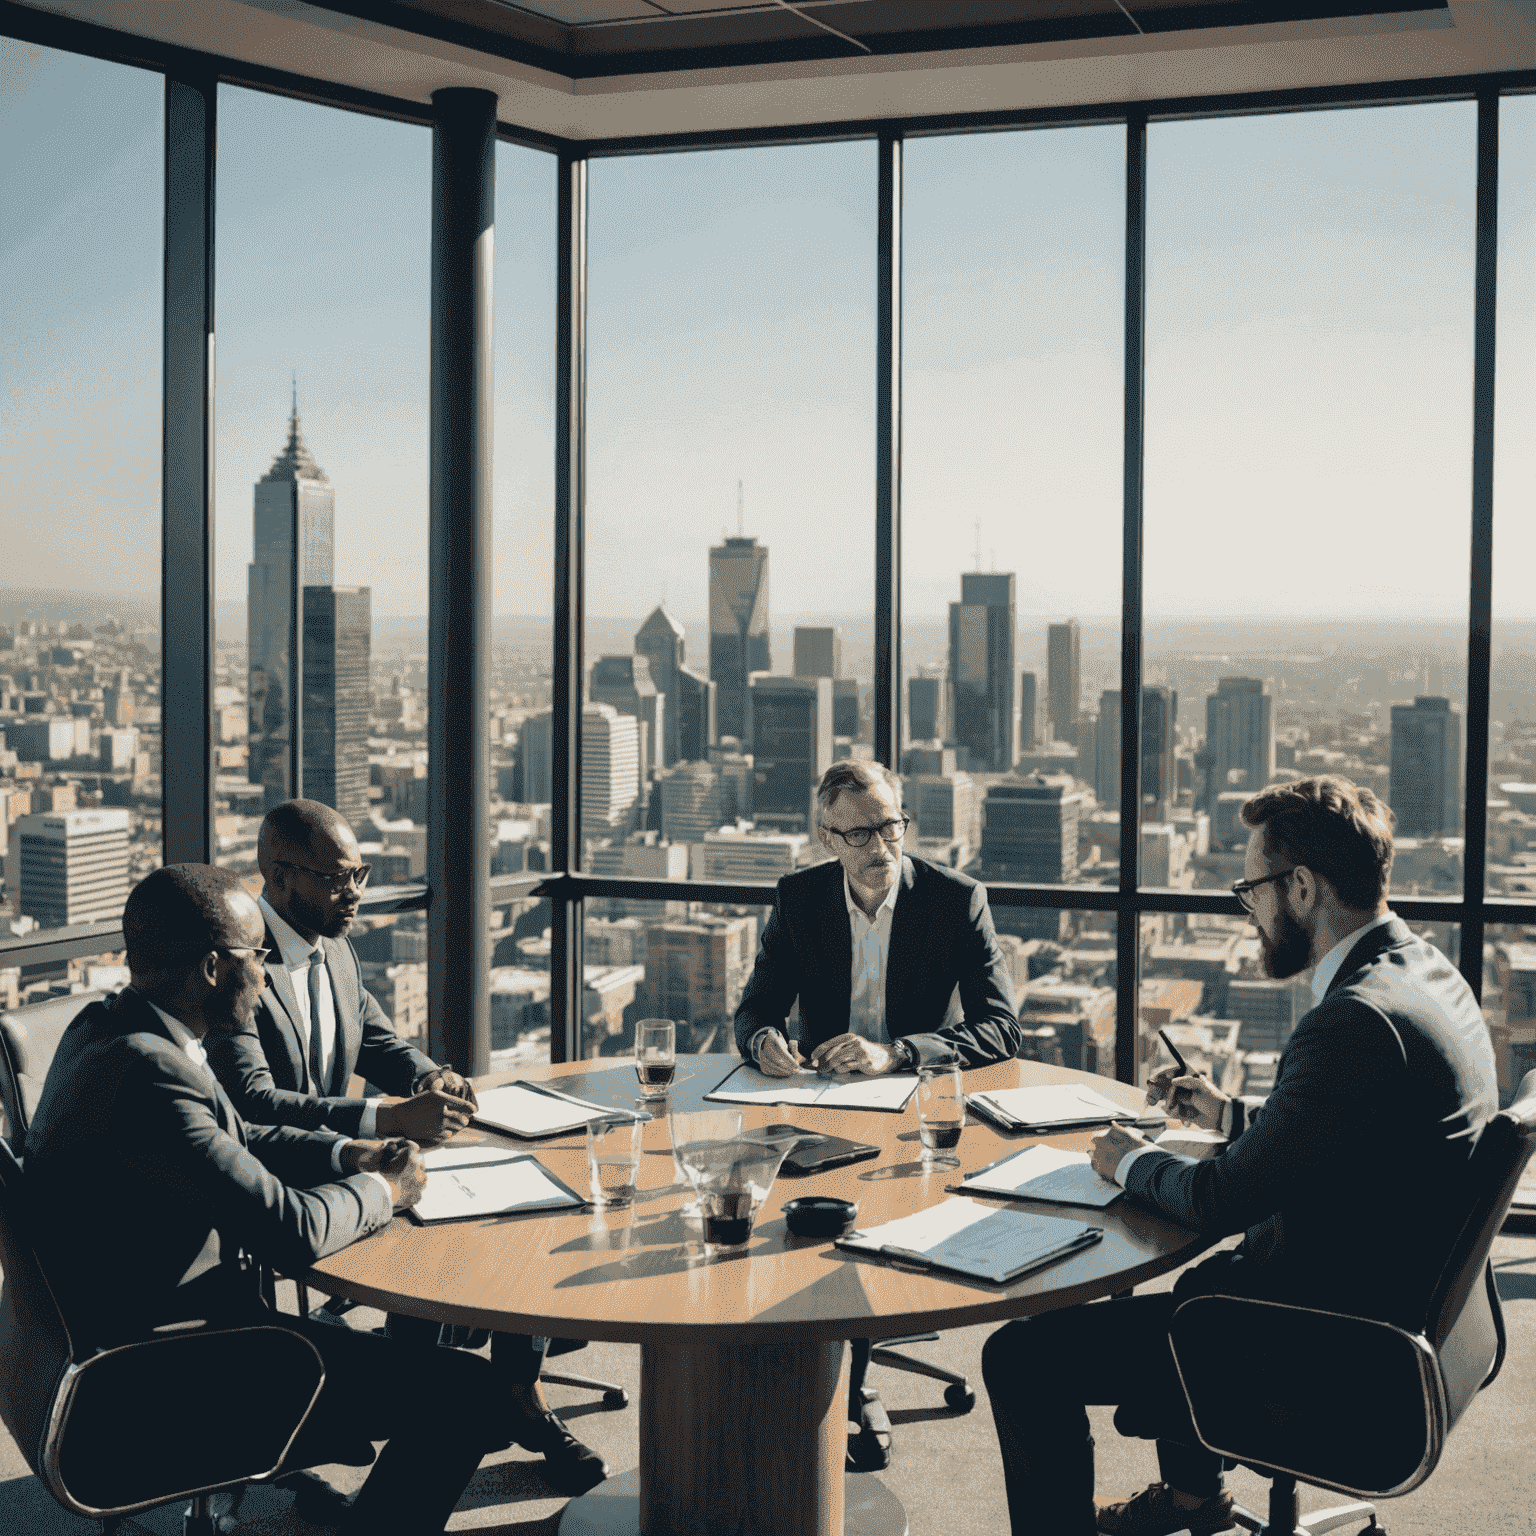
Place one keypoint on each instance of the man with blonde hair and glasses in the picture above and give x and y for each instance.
(873, 945)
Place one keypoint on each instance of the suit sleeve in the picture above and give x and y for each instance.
(774, 984)
(1344, 1065)
(240, 1063)
(383, 1057)
(989, 1028)
(178, 1145)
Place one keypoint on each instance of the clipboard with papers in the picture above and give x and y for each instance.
(981, 1242)
(808, 1089)
(466, 1182)
(532, 1110)
(1053, 1107)
(1043, 1173)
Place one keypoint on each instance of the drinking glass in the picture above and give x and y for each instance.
(940, 1115)
(655, 1056)
(613, 1160)
(699, 1126)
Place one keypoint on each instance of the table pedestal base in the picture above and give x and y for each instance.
(613, 1509)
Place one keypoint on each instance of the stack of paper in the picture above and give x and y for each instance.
(1058, 1107)
(488, 1181)
(1045, 1173)
(531, 1110)
(746, 1085)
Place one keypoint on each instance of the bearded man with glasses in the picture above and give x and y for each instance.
(874, 945)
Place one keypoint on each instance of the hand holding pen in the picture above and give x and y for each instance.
(1191, 1096)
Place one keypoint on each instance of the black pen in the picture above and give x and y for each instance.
(1173, 1051)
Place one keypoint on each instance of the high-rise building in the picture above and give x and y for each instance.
(695, 972)
(1239, 737)
(735, 855)
(981, 635)
(1425, 787)
(696, 715)
(69, 866)
(847, 718)
(1029, 829)
(818, 652)
(738, 627)
(293, 547)
(738, 780)
(944, 808)
(791, 726)
(690, 802)
(117, 700)
(536, 755)
(1027, 708)
(626, 683)
(662, 641)
(1064, 671)
(337, 691)
(610, 769)
(1159, 720)
(926, 719)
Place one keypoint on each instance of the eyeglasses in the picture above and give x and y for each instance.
(890, 832)
(334, 879)
(1244, 889)
(260, 955)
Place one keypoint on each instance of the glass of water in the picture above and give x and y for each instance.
(613, 1160)
(655, 1056)
(940, 1115)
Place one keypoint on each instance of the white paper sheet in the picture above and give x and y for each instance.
(746, 1085)
(1047, 1173)
(1055, 1104)
(490, 1187)
(521, 1111)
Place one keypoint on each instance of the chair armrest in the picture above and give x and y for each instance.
(177, 1415)
(1348, 1403)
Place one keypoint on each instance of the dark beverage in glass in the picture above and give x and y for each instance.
(727, 1231)
(655, 1074)
(941, 1135)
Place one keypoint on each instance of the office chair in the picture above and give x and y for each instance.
(1408, 1389)
(78, 1417)
(958, 1394)
(29, 1036)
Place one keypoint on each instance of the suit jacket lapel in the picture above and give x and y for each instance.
(223, 1110)
(902, 958)
(346, 1007)
(1386, 937)
(284, 1006)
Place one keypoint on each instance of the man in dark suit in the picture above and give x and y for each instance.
(165, 1202)
(873, 946)
(283, 1070)
(1342, 1180)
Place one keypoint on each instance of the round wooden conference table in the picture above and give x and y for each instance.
(744, 1366)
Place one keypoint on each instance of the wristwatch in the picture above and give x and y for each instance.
(906, 1054)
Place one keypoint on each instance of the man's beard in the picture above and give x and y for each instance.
(1290, 951)
(230, 1008)
(330, 922)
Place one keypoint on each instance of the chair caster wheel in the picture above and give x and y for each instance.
(961, 1399)
(619, 1399)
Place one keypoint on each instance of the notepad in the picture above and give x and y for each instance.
(746, 1085)
(980, 1241)
(1044, 1173)
(1056, 1107)
(531, 1111)
(488, 1181)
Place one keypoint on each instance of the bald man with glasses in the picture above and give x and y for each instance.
(874, 945)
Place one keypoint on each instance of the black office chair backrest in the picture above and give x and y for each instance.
(35, 1346)
(29, 1036)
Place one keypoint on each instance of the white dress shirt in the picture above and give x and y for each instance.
(1323, 974)
(295, 952)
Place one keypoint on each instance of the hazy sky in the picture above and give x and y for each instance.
(1309, 355)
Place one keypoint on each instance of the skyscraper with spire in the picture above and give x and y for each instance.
(738, 627)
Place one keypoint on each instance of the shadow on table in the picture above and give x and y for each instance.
(892, 1171)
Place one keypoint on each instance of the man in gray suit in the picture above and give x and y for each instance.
(166, 1202)
(1343, 1180)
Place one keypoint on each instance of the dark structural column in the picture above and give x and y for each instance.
(570, 544)
(458, 798)
(888, 457)
(1480, 606)
(186, 555)
(1128, 934)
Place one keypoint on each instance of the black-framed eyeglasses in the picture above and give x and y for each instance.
(336, 878)
(260, 955)
(1244, 889)
(890, 832)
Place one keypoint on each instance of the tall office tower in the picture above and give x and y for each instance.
(925, 709)
(293, 547)
(847, 718)
(981, 631)
(738, 779)
(117, 700)
(337, 692)
(695, 973)
(1239, 737)
(1064, 673)
(1027, 707)
(944, 808)
(690, 802)
(1159, 719)
(69, 866)
(1029, 829)
(1425, 787)
(661, 640)
(696, 715)
(1088, 751)
(791, 724)
(818, 652)
(626, 683)
(610, 770)
(738, 627)
(536, 752)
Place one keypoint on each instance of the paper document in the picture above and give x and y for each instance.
(1058, 1105)
(974, 1239)
(521, 1110)
(487, 1181)
(1045, 1173)
(746, 1085)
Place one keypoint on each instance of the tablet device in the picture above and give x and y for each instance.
(827, 1152)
